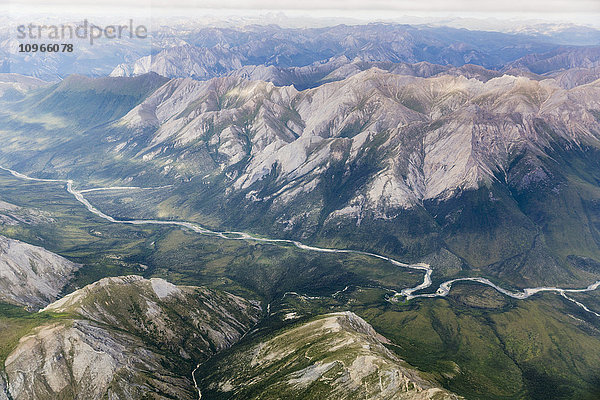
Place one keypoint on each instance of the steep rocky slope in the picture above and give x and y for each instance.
(184, 60)
(418, 158)
(13, 86)
(31, 276)
(208, 52)
(380, 152)
(563, 58)
(439, 134)
(336, 356)
(340, 68)
(128, 338)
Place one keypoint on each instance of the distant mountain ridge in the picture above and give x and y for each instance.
(207, 52)
(214, 52)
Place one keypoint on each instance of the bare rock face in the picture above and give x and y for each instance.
(3, 388)
(162, 312)
(432, 136)
(84, 360)
(128, 338)
(184, 60)
(30, 275)
(335, 356)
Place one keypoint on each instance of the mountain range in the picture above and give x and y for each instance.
(243, 212)
(375, 151)
(209, 51)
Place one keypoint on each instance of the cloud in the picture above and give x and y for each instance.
(477, 6)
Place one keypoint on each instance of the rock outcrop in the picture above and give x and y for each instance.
(128, 338)
(335, 356)
(31, 276)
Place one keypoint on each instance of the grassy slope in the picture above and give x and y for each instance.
(108, 249)
(520, 236)
(538, 348)
(476, 342)
(503, 348)
(481, 344)
(15, 322)
(295, 349)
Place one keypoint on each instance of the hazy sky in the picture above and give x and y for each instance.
(542, 6)
(566, 10)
